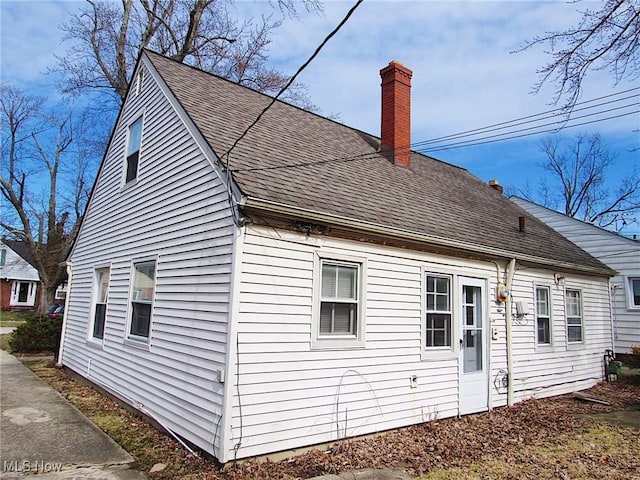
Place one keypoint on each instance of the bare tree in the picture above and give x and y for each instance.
(44, 178)
(109, 36)
(605, 39)
(579, 169)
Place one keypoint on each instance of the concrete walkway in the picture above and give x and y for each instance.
(45, 437)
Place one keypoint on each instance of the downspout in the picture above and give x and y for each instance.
(612, 313)
(69, 266)
(511, 270)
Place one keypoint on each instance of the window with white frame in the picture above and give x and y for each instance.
(23, 294)
(139, 80)
(438, 321)
(634, 292)
(133, 150)
(100, 308)
(339, 299)
(144, 277)
(574, 316)
(543, 316)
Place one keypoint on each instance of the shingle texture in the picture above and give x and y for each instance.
(340, 173)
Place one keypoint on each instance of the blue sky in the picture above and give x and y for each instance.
(464, 74)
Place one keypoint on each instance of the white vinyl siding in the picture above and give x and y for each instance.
(562, 367)
(618, 253)
(293, 394)
(178, 214)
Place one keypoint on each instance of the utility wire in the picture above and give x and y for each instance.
(292, 79)
(515, 123)
(510, 122)
(494, 140)
(436, 148)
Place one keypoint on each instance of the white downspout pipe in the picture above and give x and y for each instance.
(69, 266)
(511, 270)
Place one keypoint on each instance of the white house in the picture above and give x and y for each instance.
(303, 282)
(19, 279)
(620, 253)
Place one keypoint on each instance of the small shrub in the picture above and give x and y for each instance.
(37, 334)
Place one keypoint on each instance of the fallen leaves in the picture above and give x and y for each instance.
(534, 439)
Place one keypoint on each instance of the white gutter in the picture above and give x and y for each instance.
(511, 270)
(404, 235)
(69, 266)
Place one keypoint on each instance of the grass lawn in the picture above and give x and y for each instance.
(596, 451)
(13, 319)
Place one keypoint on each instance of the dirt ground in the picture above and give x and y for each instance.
(557, 438)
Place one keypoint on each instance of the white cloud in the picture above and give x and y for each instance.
(31, 38)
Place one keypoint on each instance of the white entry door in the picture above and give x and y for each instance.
(474, 380)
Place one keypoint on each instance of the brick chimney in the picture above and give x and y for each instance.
(496, 186)
(395, 141)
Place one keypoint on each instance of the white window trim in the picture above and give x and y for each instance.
(439, 353)
(629, 291)
(338, 342)
(550, 345)
(574, 344)
(130, 183)
(94, 300)
(14, 300)
(139, 81)
(136, 340)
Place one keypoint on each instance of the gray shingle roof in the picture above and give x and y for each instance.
(340, 173)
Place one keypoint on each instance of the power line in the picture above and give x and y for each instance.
(509, 123)
(441, 147)
(495, 140)
(468, 143)
(516, 122)
(292, 79)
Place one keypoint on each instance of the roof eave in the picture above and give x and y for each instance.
(355, 225)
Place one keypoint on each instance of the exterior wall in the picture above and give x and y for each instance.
(178, 213)
(5, 294)
(291, 394)
(562, 367)
(617, 252)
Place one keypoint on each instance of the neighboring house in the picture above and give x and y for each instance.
(315, 283)
(620, 253)
(19, 279)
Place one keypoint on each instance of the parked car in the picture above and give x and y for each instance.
(56, 311)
